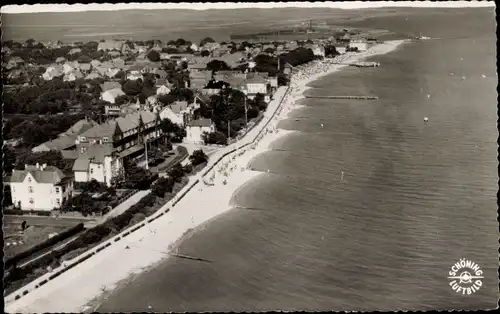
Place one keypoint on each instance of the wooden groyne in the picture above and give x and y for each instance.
(343, 97)
(359, 64)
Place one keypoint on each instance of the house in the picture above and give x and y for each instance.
(167, 113)
(359, 45)
(92, 76)
(40, 187)
(68, 67)
(73, 76)
(273, 81)
(14, 62)
(318, 51)
(162, 90)
(287, 68)
(341, 48)
(234, 59)
(111, 72)
(199, 79)
(134, 75)
(66, 140)
(52, 71)
(110, 45)
(196, 128)
(255, 84)
(109, 86)
(95, 63)
(219, 52)
(85, 67)
(211, 46)
(126, 134)
(198, 64)
(58, 144)
(98, 162)
(74, 51)
(110, 95)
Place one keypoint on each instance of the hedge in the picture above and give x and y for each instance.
(20, 212)
(47, 243)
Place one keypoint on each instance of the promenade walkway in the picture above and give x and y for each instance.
(57, 293)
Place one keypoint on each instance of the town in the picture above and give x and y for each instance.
(90, 126)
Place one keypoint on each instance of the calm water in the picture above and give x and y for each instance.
(414, 199)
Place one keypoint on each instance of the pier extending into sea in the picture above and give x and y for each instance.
(359, 64)
(342, 97)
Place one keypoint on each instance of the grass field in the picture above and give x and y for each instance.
(16, 241)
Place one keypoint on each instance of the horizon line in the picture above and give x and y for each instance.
(348, 5)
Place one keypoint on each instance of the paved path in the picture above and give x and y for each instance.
(59, 293)
(120, 209)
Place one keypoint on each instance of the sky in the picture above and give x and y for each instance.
(36, 8)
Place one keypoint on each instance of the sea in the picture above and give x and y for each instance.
(371, 210)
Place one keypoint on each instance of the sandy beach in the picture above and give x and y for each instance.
(80, 289)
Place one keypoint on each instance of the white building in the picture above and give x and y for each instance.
(97, 162)
(162, 90)
(167, 113)
(40, 187)
(361, 45)
(319, 51)
(195, 130)
(110, 95)
(256, 84)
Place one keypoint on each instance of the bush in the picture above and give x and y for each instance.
(198, 157)
(153, 56)
(162, 186)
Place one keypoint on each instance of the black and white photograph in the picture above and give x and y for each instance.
(250, 157)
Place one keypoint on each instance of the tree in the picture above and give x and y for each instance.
(206, 40)
(217, 65)
(153, 56)
(205, 53)
(331, 51)
(216, 137)
(132, 88)
(176, 172)
(198, 157)
(269, 50)
(162, 186)
(51, 158)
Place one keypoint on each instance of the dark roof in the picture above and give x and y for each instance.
(201, 123)
(179, 106)
(254, 78)
(60, 143)
(96, 153)
(81, 164)
(49, 174)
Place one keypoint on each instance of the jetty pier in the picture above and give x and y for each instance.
(342, 97)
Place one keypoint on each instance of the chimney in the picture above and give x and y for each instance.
(37, 165)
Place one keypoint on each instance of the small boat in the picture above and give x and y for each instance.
(321, 124)
(483, 76)
(426, 119)
(428, 95)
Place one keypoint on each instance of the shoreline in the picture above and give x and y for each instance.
(158, 240)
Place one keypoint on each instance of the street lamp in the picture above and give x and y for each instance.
(246, 109)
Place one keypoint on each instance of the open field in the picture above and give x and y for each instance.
(16, 241)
